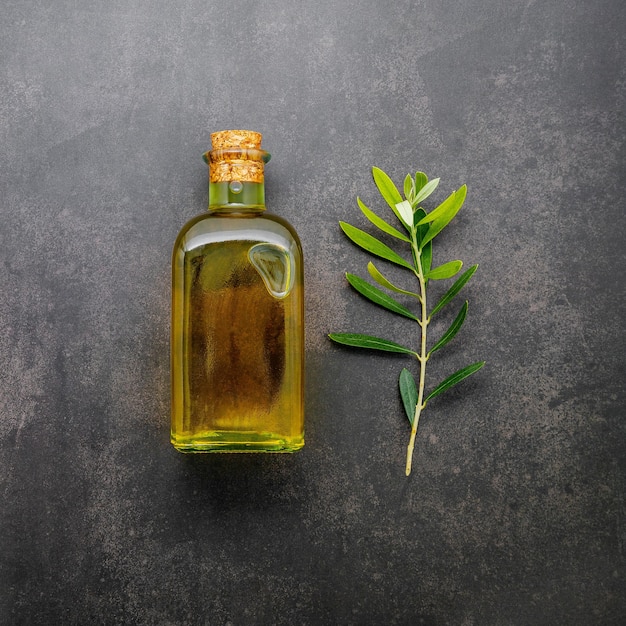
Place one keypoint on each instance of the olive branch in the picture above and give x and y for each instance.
(419, 230)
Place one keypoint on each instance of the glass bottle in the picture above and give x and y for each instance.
(237, 344)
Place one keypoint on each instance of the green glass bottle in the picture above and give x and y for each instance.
(237, 344)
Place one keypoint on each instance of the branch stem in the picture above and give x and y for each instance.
(423, 355)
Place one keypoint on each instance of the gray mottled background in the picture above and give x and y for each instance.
(515, 512)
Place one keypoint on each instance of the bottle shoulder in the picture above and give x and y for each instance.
(217, 227)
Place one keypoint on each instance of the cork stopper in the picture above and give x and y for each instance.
(236, 139)
(236, 156)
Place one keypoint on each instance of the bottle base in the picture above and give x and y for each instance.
(229, 441)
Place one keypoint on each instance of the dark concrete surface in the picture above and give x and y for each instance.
(515, 513)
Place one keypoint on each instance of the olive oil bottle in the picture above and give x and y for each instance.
(237, 344)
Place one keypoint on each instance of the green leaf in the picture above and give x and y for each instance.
(455, 378)
(447, 270)
(387, 189)
(380, 223)
(378, 297)
(408, 393)
(444, 213)
(369, 342)
(458, 285)
(426, 190)
(405, 211)
(448, 205)
(373, 245)
(427, 258)
(408, 187)
(420, 180)
(420, 230)
(452, 331)
(384, 282)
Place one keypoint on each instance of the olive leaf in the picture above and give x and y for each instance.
(408, 393)
(387, 189)
(373, 245)
(384, 282)
(378, 297)
(421, 227)
(357, 340)
(443, 214)
(409, 189)
(458, 285)
(426, 190)
(452, 331)
(447, 270)
(449, 207)
(380, 223)
(454, 379)
(405, 211)
(420, 181)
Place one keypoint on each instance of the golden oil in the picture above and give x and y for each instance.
(237, 344)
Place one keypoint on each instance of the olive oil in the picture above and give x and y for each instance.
(237, 315)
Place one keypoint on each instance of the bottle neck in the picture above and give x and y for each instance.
(237, 196)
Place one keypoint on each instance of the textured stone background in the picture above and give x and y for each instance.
(515, 511)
